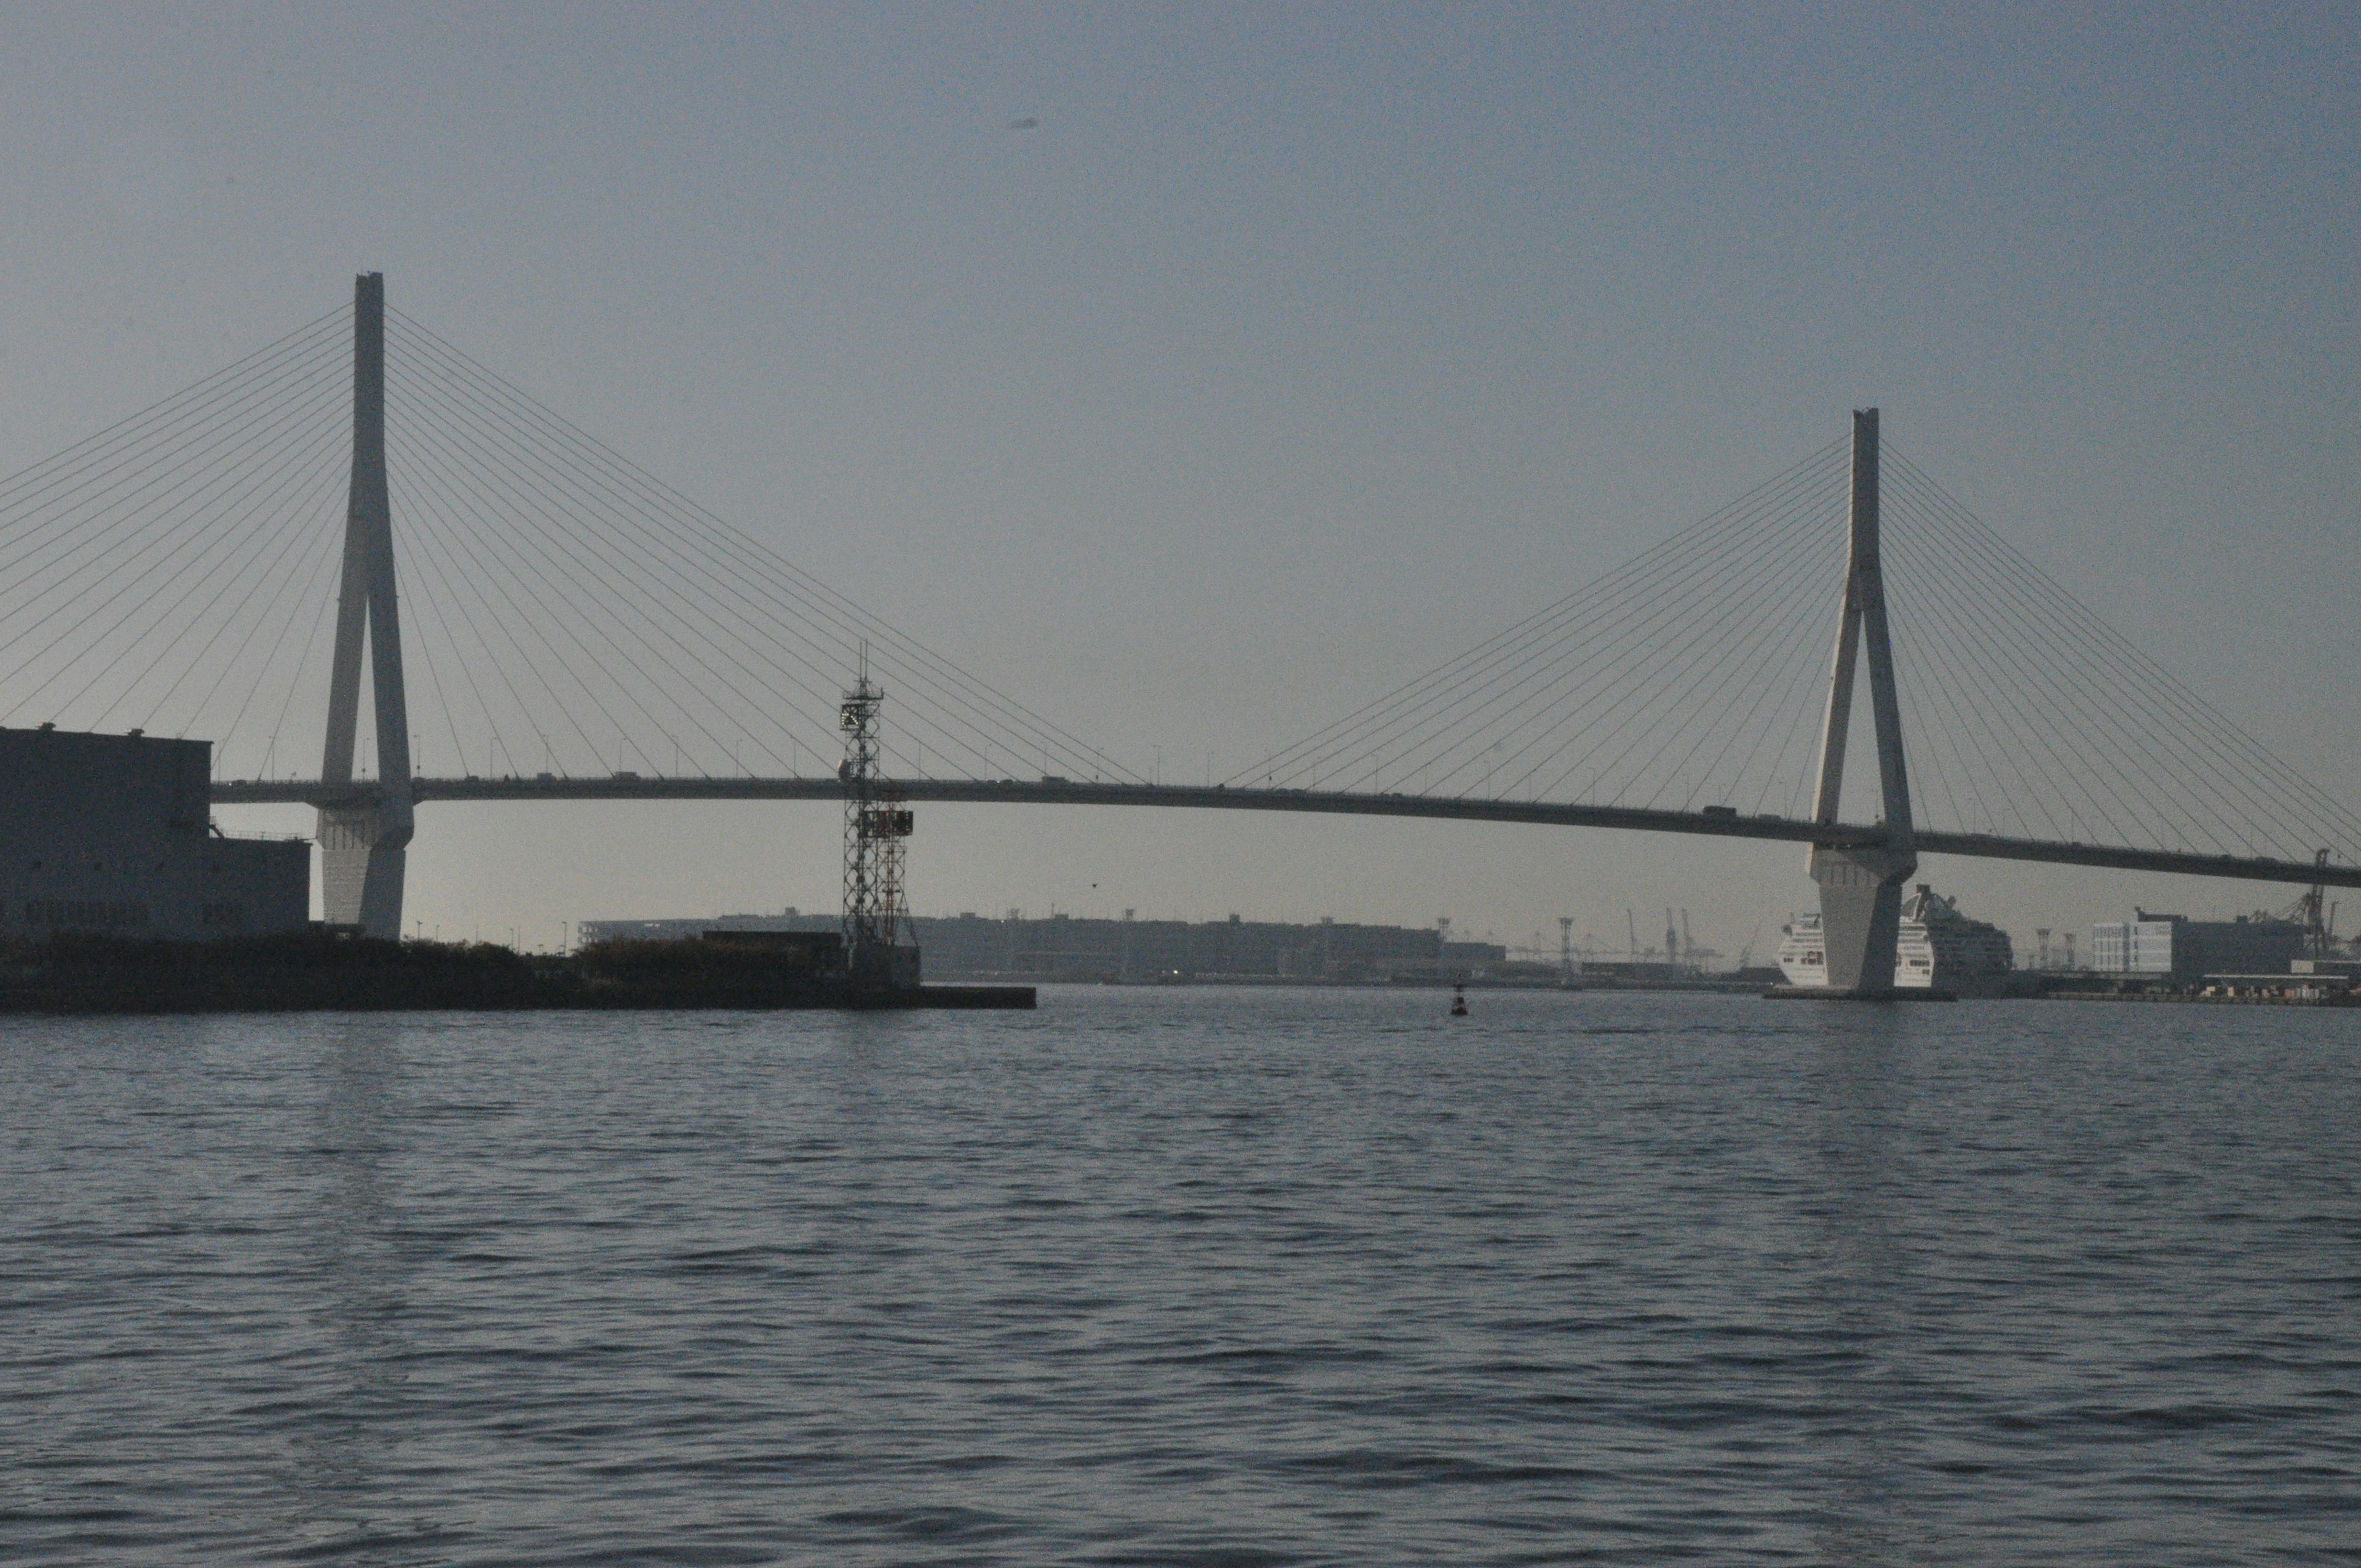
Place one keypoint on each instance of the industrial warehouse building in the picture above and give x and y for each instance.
(2185, 949)
(113, 834)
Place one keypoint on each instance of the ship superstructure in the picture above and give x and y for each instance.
(1939, 949)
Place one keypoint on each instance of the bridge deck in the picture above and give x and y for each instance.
(1060, 792)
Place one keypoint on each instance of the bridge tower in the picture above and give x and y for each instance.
(363, 845)
(1860, 887)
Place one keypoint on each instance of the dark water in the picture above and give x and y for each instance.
(1188, 1277)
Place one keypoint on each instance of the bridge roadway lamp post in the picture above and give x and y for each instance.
(1861, 884)
(364, 843)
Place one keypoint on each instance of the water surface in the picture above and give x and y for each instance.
(1187, 1277)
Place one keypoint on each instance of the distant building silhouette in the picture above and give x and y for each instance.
(1065, 946)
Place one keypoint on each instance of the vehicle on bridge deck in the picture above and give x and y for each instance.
(1939, 949)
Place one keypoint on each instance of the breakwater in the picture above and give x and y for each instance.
(316, 972)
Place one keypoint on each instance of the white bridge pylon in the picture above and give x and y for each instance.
(363, 847)
(1860, 885)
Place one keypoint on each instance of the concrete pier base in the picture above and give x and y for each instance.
(1861, 914)
(363, 853)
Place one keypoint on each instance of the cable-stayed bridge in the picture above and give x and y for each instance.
(540, 618)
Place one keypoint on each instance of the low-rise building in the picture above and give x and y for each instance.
(113, 834)
(2132, 946)
(2177, 948)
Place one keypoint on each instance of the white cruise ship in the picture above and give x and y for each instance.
(1939, 948)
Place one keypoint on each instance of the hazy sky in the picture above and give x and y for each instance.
(1293, 350)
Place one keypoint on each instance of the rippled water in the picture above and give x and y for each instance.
(1183, 1277)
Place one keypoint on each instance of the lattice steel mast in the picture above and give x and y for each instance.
(877, 826)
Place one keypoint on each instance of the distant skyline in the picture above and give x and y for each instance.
(1196, 374)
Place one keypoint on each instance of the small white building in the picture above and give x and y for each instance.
(2132, 946)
